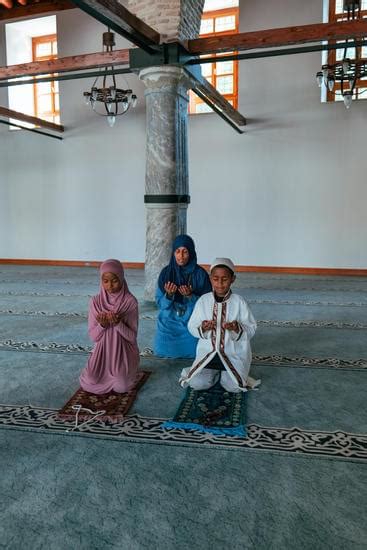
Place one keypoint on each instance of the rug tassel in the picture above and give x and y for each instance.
(78, 408)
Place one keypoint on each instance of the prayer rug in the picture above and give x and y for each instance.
(214, 411)
(112, 407)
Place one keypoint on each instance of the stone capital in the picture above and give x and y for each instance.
(165, 78)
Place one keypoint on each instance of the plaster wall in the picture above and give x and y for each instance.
(290, 192)
(80, 198)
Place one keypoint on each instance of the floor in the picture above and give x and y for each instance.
(295, 483)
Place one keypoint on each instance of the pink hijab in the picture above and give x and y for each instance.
(118, 302)
(113, 364)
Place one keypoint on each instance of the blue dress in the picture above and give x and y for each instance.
(172, 338)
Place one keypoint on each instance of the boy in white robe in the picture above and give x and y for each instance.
(224, 324)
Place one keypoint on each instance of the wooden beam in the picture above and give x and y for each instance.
(32, 130)
(9, 113)
(258, 54)
(64, 64)
(118, 18)
(285, 36)
(35, 8)
(214, 99)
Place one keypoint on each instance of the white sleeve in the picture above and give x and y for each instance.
(247, 322)
(197, 317)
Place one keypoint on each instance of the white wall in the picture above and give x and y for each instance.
(82, 198)
(290, 192)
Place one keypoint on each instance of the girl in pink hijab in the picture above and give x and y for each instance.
(113, 326)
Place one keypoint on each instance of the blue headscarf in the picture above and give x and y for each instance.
(189, 274)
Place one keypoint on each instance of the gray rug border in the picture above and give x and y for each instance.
(275, 360)
(149, 432)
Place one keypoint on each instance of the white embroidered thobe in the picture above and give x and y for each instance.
(232, 348)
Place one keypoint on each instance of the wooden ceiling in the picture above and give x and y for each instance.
(151, 52)
(13, 9)
(10, 4)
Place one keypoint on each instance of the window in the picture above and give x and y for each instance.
(26, 41)
(337, 13)
(223, 75)
(46, 94)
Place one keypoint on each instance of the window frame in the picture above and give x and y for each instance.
(331, 57)
(53, 114)
(232, 97)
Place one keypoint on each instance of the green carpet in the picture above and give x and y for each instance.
(294, 483)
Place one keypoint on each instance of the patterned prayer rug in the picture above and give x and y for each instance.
(112, 407)
(214, 411)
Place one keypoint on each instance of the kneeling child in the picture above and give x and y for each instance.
(224, 324)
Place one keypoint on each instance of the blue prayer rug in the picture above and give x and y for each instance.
(214, 411)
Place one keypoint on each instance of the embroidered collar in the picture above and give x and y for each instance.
(220, 299)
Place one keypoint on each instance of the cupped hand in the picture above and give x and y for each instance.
(232, 325)
(207, 325)
(114, 318)
(170, 288)
(103, 319)
(185, 290)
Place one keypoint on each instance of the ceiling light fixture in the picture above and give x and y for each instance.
(349, 68)
(108, 100)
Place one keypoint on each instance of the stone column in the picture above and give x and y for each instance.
(166, 180)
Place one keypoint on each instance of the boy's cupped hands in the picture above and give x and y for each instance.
(232, 325)
(207, 325)
(210, 325)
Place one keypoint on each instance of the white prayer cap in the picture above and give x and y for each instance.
(222, 261)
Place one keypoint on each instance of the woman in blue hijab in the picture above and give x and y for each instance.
(180, 284)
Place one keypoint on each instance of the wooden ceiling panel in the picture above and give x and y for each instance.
(31, 8)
